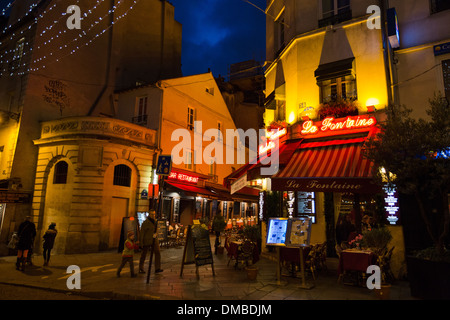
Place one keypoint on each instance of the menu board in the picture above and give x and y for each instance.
(197, 248)
(306, 204)
(162, 229)
(299, 232)
(294, 232)
(276, 231)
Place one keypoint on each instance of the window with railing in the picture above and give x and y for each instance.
(122, 175)
(342, 88)
(60, 174)
(190, 118)
(141, 110)
(334, 11)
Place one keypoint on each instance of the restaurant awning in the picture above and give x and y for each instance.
(253, 169)
(191, 190)
(328, 166)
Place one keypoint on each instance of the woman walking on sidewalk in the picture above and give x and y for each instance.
(49, 241)
(128, 254)
(26, 233)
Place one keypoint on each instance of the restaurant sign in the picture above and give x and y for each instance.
(355, 185)
(183, 177)
(331, 124)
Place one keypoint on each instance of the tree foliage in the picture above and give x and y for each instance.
(413, 155)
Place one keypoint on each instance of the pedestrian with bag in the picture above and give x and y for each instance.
(26, 233)
(147, 238)
(128, 254)
(49, 241)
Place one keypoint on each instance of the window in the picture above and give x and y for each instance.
(212, 167)
(446, 75)
(335, 11)
(14, 65)
(439, 5)
(280, 33)
(60, 174)
(122, 175)
(188, 161)
(219, 131)
(141, 117)
(190, 118)
(281, 110)
(342, 88)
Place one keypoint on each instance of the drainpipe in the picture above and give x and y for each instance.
(108, 62)
(163, 29)
(387, 55)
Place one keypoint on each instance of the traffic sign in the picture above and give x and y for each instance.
(164, 165)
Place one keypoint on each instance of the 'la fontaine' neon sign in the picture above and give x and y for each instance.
(330, 124)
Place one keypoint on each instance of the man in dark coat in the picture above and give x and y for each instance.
(147, 238)
(26, 233)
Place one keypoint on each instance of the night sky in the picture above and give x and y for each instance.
(218, 33)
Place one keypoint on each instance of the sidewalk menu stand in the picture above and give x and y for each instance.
(197, 249)
(290, 233)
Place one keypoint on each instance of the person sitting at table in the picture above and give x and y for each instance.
(344, 229)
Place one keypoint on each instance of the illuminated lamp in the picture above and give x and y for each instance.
(371, 104)
(292, 117)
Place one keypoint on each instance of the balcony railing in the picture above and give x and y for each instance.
(140, 120)
(335, 19)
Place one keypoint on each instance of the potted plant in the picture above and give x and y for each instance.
(377, 240)
(412, 155)
(338, 109)
(218, 226)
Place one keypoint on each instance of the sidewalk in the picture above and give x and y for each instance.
(98, 280)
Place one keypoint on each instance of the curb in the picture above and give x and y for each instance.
(100, 295)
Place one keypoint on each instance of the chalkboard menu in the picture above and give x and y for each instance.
(162, 229)
(198, 248)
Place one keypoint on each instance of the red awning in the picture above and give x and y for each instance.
(334, 166)
(191, 190)
(253, 170)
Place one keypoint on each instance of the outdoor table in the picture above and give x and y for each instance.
(355, 260)
(233, 248)
(294, 255)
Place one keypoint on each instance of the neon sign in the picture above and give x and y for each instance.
(272, 136)
(330, 124)
(183, 177)
(391, 205)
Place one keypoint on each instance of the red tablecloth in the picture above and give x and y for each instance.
(233, 250)
(355, 261)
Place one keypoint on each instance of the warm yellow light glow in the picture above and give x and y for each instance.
(292, 117)
(372, 102)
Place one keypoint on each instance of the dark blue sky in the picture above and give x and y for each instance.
(218, 33)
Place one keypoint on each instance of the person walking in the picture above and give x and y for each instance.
(128, 254)
(147, 238)
(49, 241)
(26, 233)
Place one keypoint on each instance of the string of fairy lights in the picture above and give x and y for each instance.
(82, 39)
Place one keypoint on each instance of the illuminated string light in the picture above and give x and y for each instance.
(84, 33)
(88, 42)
